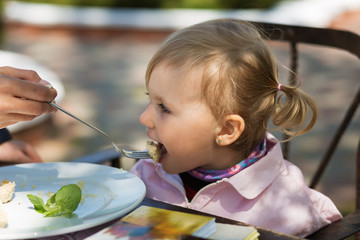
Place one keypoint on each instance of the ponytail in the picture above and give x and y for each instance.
(291, 111)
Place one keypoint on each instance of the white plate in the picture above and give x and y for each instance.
(107, 193)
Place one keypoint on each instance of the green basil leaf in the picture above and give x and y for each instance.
(38, 203)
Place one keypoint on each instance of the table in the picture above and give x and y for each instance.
(264, 233)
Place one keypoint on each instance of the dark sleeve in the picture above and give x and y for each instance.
(4, 135)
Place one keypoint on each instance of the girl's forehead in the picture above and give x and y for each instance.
(168, 79)
(178, 74)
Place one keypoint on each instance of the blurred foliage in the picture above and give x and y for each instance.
(204, 4)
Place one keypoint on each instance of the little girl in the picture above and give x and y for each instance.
(213, 87)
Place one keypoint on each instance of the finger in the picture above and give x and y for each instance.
(24, 74)
(28, 108)
(38, 92)
(12, 118)
(46, 83)
(31, 154)
(34, 91)
(6, 124)
(12, 151)
(21, 157)
(10, 86)
(7, 119)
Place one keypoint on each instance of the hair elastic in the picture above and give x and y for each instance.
(279, 86)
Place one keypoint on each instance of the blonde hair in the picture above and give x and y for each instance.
(240, 76)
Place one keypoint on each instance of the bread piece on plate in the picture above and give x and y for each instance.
(7, 190)
(3, 217)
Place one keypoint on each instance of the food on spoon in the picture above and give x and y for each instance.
(63, 203)
(7, 190)
(154, 151)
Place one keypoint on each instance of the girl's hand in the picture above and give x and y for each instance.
(23, 96)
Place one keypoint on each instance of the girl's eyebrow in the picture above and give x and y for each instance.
(155, 97)
(159, 99)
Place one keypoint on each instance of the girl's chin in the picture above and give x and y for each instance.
(172, 169)
(166, 167)
(162, 158)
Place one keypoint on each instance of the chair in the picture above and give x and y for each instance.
(295, 36)
(347, 41)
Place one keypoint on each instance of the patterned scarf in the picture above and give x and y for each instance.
(209, 175)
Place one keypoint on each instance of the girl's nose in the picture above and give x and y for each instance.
(146, 119)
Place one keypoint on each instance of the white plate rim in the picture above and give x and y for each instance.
(92, 223)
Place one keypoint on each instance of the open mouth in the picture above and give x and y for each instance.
(162, 148)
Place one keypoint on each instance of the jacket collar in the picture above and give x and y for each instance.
(253, 180)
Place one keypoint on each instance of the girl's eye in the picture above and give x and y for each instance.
(163, 108)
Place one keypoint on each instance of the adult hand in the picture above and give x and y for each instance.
(16, 151)
(23, 96)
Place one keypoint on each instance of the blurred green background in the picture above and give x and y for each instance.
(209, 4)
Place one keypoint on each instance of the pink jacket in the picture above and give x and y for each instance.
(270, 193)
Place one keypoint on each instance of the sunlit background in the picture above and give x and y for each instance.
(96, 52)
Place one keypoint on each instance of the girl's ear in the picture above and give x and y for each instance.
(231, 130)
